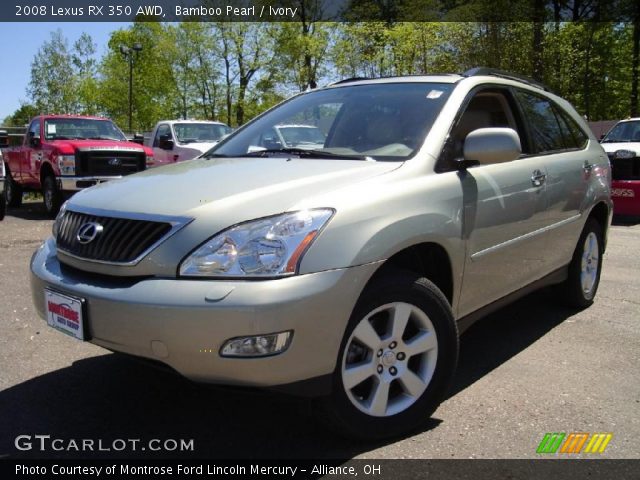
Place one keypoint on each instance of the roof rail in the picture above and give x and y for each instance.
(474, 72)
(348, 80)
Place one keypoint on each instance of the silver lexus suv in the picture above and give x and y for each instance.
(344, 272)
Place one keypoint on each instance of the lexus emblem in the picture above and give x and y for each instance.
(115, 162)
(88, 232)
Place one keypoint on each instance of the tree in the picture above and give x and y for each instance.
(303, 45)
(53, 84)
(85, 66)
(154, 84)
(21, 117)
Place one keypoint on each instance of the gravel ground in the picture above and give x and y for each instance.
(528, 369)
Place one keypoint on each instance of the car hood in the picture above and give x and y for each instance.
(257, 186)
(200, 147)
(69, 146)
(614, 147)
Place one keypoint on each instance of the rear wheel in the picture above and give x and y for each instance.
(12, 191)
(51, 195)
(397, 359)
(3, 207)
(584, 270)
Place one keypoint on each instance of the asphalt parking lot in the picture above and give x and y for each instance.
(529, 369)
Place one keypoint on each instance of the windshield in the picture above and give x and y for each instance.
(624, 132)
(199, 132)
(381, 121)
(81, 129)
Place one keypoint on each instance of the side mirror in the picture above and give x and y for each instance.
(491, 145)
(165, 142)
(138, 138)
(33, 140)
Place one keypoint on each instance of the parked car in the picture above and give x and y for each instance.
(345, 272)
(3, 204)
(178, 140)
(622, 145)
(62, 154)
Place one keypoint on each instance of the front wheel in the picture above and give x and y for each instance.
(584, 270)
(397, 359)
(51, 195)
(12, 191)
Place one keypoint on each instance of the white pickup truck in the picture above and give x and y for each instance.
(177, 140)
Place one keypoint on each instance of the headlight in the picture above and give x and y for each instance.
(267, 247)
(56, 223)
(624, 154)
(67, 164)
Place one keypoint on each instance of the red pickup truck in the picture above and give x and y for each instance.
(62, 154)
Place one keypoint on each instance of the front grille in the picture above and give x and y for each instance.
(109, 162)
(122, 240)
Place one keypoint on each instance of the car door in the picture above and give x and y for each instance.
(560, 142)
(161, 156)
(504, 207)
(32, 155)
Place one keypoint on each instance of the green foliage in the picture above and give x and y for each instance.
(21, 117)
(234, 71)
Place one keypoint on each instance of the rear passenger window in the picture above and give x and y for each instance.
(547, 136)
(575, 138)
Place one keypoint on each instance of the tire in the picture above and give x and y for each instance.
(581, 285)
(12, 192)
(3, 206)
(51, 196)
(392, 391)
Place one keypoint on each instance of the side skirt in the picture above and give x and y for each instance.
(555, 277)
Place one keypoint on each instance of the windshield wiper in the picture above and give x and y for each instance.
(106, 138)
(302, 152)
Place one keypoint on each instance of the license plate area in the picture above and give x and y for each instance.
(66, 313)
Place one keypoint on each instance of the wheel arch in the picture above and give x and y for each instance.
(601, 213)
(427, 259)
(46, 170)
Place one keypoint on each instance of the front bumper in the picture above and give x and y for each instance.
(184, 323)
(73, 184)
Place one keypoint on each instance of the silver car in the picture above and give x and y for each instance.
(345, 272)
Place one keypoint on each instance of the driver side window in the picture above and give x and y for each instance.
(34, 129)
(487, 109)
(163, 130)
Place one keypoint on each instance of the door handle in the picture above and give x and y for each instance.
(538, 178)
(587, 167)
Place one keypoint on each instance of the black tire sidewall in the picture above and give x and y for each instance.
(56, 197)
(16, 192)
(409, 288)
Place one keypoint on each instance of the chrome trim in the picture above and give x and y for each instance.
(177, 224)
(69, 183)
(112, 149)
(526, 236)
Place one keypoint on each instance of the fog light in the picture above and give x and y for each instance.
(257, 346)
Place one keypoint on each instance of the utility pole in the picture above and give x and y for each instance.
(128, 53)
